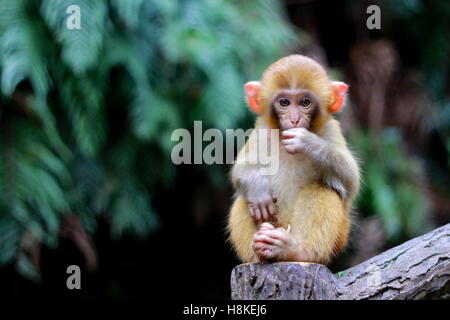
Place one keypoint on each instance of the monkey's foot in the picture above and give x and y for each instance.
(274, 244)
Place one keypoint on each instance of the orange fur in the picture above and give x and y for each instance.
(319, 217)
(241, 229)
(296, 71)
(319, 220)
(291, 72)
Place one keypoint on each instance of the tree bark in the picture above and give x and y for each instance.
(416, 269)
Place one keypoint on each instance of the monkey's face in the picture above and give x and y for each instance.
(294, 108)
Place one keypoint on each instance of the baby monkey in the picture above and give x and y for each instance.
(302, 212)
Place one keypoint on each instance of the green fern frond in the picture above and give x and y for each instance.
(132, 211)
(22, 53)
(128, 11)
(151, 113)
(81, 48)
(10, 235)
(140, 68)
(83, 100)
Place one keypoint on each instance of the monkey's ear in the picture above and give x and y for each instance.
(252, 95)
(340, 91)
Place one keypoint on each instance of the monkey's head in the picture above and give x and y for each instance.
(295, 92)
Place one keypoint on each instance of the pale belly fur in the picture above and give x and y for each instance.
(287, 183)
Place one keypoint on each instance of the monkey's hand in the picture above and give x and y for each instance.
(275, 244)
(297, 140)
(261, 201)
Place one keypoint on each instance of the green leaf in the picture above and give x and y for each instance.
(80, 47)
(10, 235)
(132, 212)
(22, 52)
(128, 11)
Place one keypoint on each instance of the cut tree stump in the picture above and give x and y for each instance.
(416, 269)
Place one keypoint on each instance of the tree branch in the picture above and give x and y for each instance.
(416, 269)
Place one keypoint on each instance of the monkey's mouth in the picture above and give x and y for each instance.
(303, 123)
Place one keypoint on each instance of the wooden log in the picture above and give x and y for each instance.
(416, 269)
(282, 281)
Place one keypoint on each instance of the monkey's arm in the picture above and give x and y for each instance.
(250, 182)
(330, 152)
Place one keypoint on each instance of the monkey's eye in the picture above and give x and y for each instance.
(284, 102)
(305, 102)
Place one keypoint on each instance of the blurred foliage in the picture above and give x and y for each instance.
(86, 115)
(395, 187)
(428, 21)
(392, 190)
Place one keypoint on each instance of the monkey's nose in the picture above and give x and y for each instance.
(295, 122)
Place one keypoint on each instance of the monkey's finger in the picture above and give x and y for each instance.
(280, 236)
(272, 213)
(288, 134)
(258, 245)
(257, 215)
(268, 239)
(269, 208)
(272, 210)
(269, 214)
(254, 213)
(288, 141)
(267, 226)
(264, 212)
(291, 133)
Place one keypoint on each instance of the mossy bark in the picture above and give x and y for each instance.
(416, 269)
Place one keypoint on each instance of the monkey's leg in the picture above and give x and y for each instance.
(241, 228)
(319, 229)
